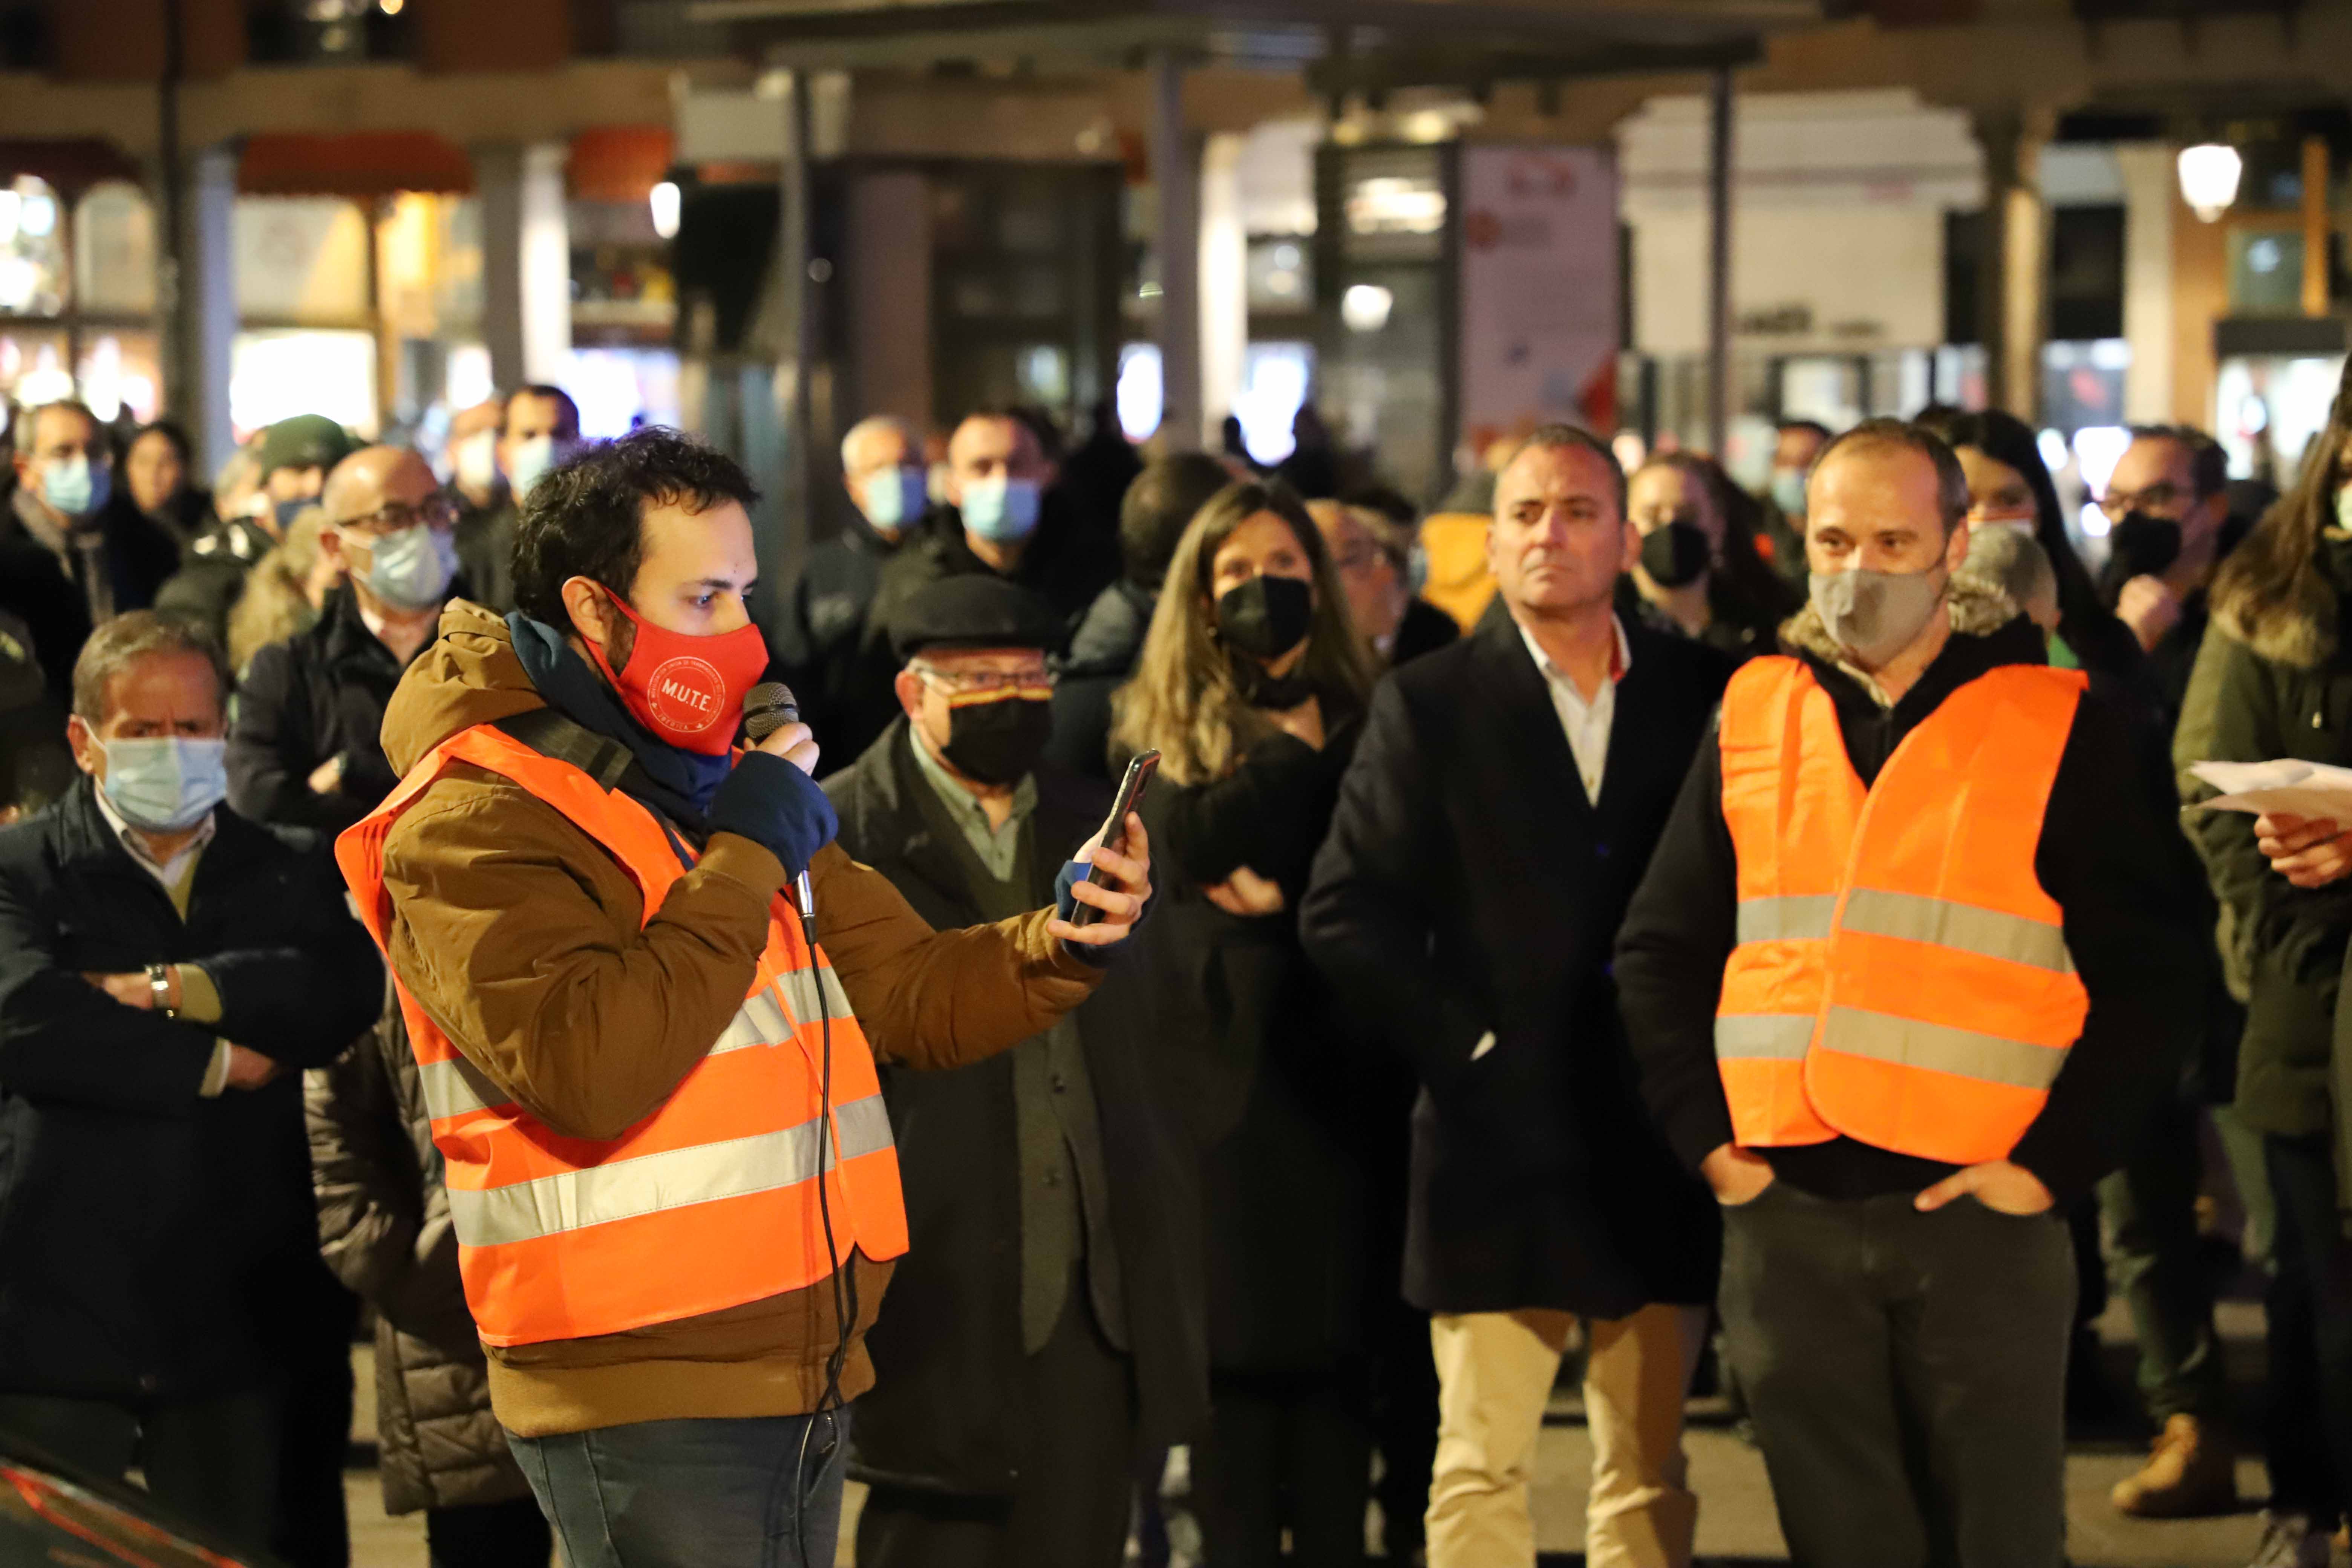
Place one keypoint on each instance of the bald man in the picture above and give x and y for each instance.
(303, 750)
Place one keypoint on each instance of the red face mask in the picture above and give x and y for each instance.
(687, 690)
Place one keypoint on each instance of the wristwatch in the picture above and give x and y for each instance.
(158, 982)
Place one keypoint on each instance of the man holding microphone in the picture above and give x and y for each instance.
(671, 1171)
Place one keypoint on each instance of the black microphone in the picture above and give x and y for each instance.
(768, 707)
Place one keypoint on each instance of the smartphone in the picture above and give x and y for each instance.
(1113, 833)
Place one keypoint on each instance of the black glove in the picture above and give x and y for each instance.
(775, 806)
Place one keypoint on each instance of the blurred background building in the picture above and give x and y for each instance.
(1437, 220)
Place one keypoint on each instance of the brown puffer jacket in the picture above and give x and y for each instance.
(529, 944)
(383, 1227)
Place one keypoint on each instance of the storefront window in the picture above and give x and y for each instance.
(121, 372)
(114, 251)
(32, 250)
(276, 374)
(33, 364)
(302, 261)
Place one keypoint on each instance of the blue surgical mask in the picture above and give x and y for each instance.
(532, 459)
(74, 488)
(411, 570)
(165, 784)
(1789, 490)
(1001, 509)
(893, 497)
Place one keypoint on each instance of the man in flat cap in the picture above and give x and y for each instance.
(292, 458)
(1045, 1326)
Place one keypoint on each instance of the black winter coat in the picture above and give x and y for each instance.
(947, 1411)
(137, 557)
(1292, 1132)
(138, 1220)
(1468, 888)
(384, 1229)
(318, 694)
(821, 650)
(212, 575)
(1103, 651)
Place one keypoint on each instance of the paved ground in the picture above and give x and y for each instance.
(1736, 1519)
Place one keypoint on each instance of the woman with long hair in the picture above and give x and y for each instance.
(2010, 487)
(2274, 679)
(1699, 573)
(1252, 686)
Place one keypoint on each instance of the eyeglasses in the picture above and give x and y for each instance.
(2157, 496)
(438, 513)
(986, 682)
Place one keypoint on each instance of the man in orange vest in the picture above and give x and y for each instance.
(671, 1180)
(1906, 968)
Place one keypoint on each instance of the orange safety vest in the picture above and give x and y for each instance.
(1901, 977)
(710, 1201)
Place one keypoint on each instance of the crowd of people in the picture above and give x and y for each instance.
(1616, 921)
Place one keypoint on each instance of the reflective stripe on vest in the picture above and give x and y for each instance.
(1900, 976)
(710, 1201)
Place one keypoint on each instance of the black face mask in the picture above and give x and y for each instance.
(997, 740)
(1678, 554)
(1266, 616)
(2139, 546)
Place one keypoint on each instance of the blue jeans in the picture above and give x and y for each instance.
(711, 1493)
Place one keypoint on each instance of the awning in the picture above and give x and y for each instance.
(620, 162)
(356, 164)
(69, 163)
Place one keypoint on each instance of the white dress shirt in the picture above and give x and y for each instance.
(1586, 722)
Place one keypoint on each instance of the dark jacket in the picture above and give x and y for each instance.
(1064, 561)
(2268, 685)
(1425, 629)
(134, 554)
(821, 649)
(1103, 651)
(135, 1217)
(1468, 887)
(949, 1409)
(318, 694)
(1288, 1126)
(212, 574)
(2100, 856)
(384, 1229)
(485, 538)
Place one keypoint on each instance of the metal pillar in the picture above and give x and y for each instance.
(1719, 260)
(784, 543)
(2014, 304)
(197, 293)
(526, 261)
(1178, 187)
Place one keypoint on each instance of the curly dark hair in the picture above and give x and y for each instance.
(585, 517)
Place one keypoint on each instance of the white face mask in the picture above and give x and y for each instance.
(476, 467)
(533, 459)
(165, 784)
(893, 497)
(411, 570)
(2025, 521)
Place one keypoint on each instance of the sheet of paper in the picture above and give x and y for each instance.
(2285, 786)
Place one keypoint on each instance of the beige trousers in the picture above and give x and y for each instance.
(1495, 1373)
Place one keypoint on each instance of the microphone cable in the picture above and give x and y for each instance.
(844, 1286)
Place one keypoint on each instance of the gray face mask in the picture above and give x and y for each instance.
(1876, 613)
